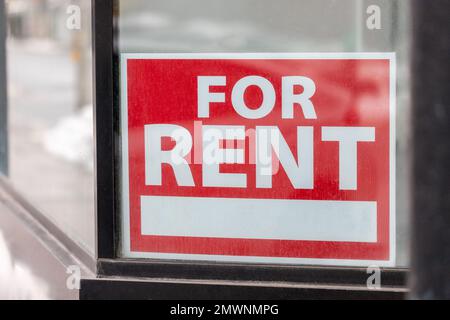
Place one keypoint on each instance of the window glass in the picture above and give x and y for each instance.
(288, 26)
(50, 111)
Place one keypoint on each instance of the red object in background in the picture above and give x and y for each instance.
(351, 91)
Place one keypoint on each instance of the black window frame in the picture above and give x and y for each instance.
(107, 138)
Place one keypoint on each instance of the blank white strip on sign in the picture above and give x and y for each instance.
(315, 220)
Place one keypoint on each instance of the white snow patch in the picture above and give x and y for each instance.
(72, 138)
(17, 281)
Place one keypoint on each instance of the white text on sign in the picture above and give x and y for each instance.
(268, 140)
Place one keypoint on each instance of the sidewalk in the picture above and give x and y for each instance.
(27, 268)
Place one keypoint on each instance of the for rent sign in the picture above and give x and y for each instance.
(285, 158)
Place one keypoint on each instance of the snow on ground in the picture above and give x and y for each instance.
(17, 281)
(72, 138)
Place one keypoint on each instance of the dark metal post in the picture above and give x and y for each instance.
(430, 277)
(3, 93)
(102, 36)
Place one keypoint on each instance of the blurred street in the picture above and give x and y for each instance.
(41, 99)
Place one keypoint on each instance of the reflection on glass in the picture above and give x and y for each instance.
(51, 135)
(282, 26)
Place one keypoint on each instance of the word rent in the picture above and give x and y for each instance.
(265, 143)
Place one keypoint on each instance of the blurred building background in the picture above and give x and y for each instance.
(49, 65)
(42, 21)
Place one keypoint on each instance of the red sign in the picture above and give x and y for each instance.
(285, 158)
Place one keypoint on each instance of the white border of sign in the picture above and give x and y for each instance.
(125, 251)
